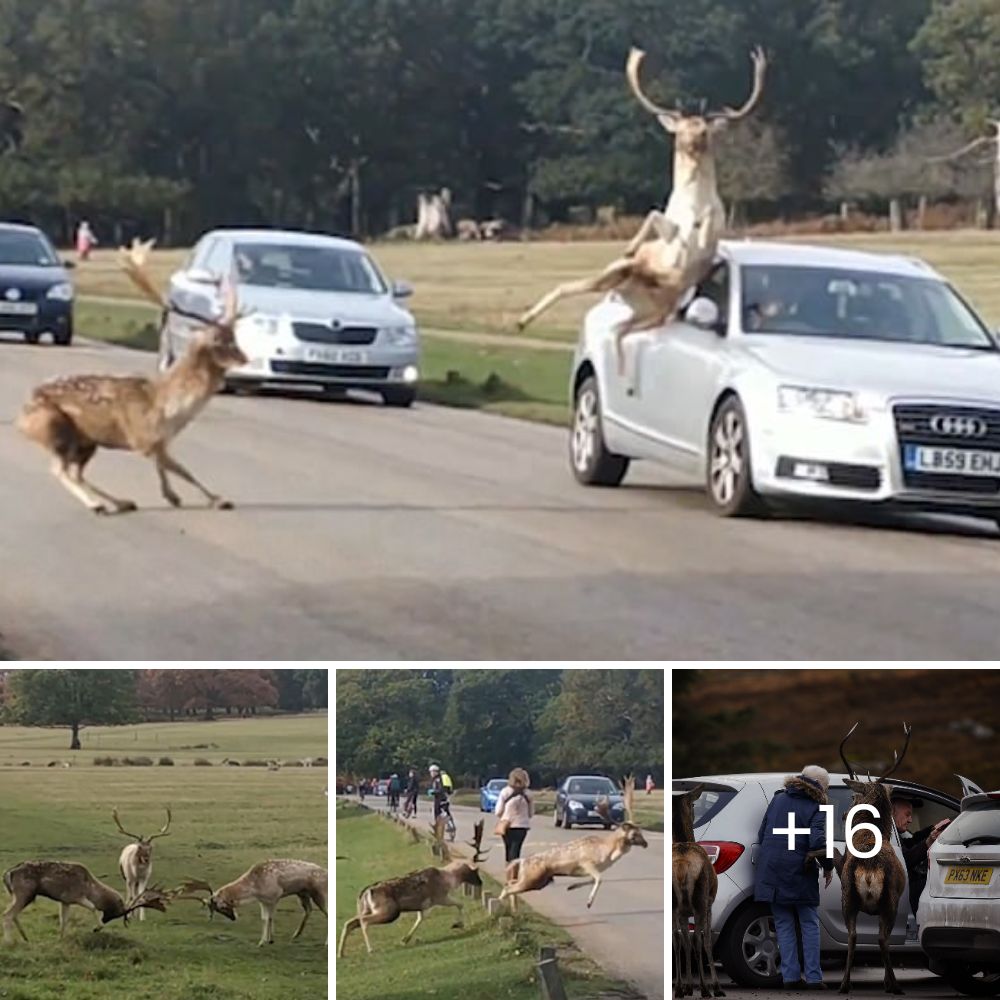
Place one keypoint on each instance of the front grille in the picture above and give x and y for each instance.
(849, 476)
(366, 373)
(322, 333)
(913, 426)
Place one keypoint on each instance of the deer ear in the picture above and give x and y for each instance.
(854, 786)
(669, 122)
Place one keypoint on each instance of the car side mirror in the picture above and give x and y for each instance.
(401, 289)
(201, 276)
(704, 313)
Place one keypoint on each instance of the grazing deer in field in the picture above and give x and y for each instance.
(695, 886)
(72, 417)
(268, 883)
(584, 856)
(871, 885)
(136, 860)
(383, 902)
(652, 277)
(69, 884)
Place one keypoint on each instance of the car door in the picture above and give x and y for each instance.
(680, 372)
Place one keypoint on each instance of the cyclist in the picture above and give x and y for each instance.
(439, 790)
(412, 794)
(393, 792)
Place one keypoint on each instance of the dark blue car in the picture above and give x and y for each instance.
(36, 295)
(577, 798)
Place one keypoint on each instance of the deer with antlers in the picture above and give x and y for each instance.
(652, 276)
(589, 856)
(136, 860)
(72, 417)
(874, 884)
(695, 886)
(267, 883)
(69, 884)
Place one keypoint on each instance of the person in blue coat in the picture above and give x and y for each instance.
(785, 879)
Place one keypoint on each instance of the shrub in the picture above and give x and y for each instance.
(105, 761)
(320, 762)
(166, 762)
(201, 762)
(255, 763)
(137, 761)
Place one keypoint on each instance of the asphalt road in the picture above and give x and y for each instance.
(623, 930)
(865, 982)
(363, 532)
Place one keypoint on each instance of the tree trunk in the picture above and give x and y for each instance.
(209, 717)
(921, 211)
(982, 213)
(895, 215)
(74, 743)
(355, 200)
(845, 211)
(527, 213)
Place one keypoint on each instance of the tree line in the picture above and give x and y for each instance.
(479, 724)
(171, 117)
(79, 698)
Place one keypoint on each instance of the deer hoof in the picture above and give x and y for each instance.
(101, 509)
(220, 504)
(173, 499)
(127, 507)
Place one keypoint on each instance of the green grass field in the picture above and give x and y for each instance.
(648, 809)
(477, 289)
(224, 820)
(481, 960)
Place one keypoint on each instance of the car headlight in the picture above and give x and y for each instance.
(830, 404)
(263, 324)
(63, 292)
(401, 335)
(573, 804)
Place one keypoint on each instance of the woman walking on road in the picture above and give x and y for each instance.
(514, 811)
(786, 881)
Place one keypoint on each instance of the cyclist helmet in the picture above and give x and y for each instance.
(434, 769)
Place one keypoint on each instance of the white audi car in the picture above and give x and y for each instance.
(800, 372)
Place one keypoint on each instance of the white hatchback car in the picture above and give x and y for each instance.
(798, 371)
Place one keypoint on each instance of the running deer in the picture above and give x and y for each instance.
(383, 902)
(695, 886)
(652, 277)
(588, 856)
(268, 883)
(69, 884)
(72, 417)
(871, 885)
(136, 860)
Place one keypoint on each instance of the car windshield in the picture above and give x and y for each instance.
(978, 825)
(591, 786)
(496, 785)
(311, 268)
(858, 305)
(26, 248)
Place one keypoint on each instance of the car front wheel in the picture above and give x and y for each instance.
(748, 948)
(556, 816)
(729, 474)
(593, 464)
(970, 982)
(399, 397)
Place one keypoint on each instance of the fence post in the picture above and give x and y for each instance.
(549, 977)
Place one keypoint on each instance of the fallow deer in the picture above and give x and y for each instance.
(268, 883)
(583, 856)
(652, 277)
(136, 860)
(69, 884)
(871, 885)
(695, 886)
(72, 417)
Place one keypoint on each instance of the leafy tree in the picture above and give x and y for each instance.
(72, 698)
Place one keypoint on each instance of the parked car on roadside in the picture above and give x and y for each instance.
(321, 312)
(727, 818)
(959, 911)
(489, 794)
(800, 372)
(577, 797)
(36, 294)
(382, 786)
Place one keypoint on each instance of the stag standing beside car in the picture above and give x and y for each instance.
(787, 879)
(514, 810)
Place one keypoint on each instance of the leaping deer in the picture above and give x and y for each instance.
(652, 277)
(136, 860)
(72, 417)
(871, 885)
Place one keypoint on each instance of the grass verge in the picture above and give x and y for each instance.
(486, 958)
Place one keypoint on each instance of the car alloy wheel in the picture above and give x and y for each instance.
(585, 429)
(760, 947)
(729, 472)
(592, 463)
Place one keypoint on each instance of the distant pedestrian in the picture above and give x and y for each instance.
(85, 240)
(412, 794)
(650, 784)
(362, 788)
(395, 787)
(514, 810)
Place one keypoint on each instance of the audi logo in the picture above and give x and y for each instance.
(956, 426)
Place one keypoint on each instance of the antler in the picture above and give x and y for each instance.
(189, 886)
(133, 263)
(163, 831)
(735, 114)
(153, 898)
(898, 759)
(635, 58)
(847, 763)
(603, 810)
(628, 783)
(477, 843)
(114, 816)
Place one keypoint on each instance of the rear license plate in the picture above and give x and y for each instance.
(968, 875)
(957, 461)
(336, 356)
(19, 308)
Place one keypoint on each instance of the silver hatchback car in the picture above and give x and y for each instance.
(727, 818)
(321, 313)
(800, 372)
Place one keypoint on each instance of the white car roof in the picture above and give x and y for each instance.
(289, 236)
(808, 255)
